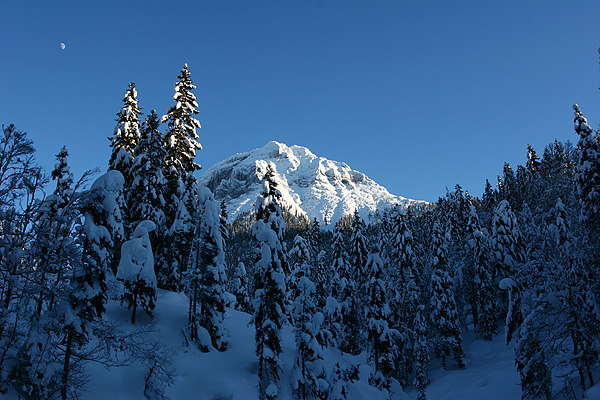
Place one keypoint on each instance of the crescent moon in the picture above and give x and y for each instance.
(62, 46)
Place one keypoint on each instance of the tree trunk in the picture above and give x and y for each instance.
(134, 305)
(66, 366)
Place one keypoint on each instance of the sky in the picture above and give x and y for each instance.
(420, 96)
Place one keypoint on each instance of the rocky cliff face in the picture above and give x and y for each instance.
(310, 185)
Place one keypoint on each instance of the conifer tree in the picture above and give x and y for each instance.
(205, 277)
(587, 176)
(270, 264)
(180, 141)
(125, 138)
(308, 374)
(240, 288)
(358, 252)
(444, 317)
(176, 256)
(380, 336)
(405, 260)
(406, 291)
(299, 260)
(181, 138)
(421, 353)
(56, 218)
(127, 134)
(580, 320)
(315, 240)
(87, 295)
(351, 313)
(333, 306)
(103, 227)
(136, 270)
(533, 161)
(508, 185)
(536, 378)
(483, 301)
(506, 241)
(148, 186)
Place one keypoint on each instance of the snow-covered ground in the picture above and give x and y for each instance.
(489, 374)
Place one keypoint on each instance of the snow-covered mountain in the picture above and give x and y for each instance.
(310, 185)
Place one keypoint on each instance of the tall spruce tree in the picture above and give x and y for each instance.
(444, 316)
(269, 279)
(127, 133)
(123, 142)
(350, 337)
(240, 288)
(530, 359)
(421, 353)
(308, 374)
(587, 176)
(181, 143)
(380, 335)
(579, 316)
(358, 252)
(205, 277)
(146, 195)
(299, 258)
(136, 270)
(483, 299)
(181, 138)
(506, 241)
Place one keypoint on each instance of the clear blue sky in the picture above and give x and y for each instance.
(417, 95)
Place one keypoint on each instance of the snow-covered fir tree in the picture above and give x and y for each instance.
(507, 186)
(587, 176)
(205, 277)
(88, 292)
(578, 305)
(56, 218)
(359, 252)
(240, 288)
(506, 241)
(350, 337)
(421, 353)
(308, 374)
(180, 141)
(181, 138)
(146, 195)
(530, 359)
(380, 336)
(299, 258)
(269, 280)
(180, 235)
(405, 293)
(123, 142)
(533, 161)
(447, 336)
(103, 226)
(483, 300)
(127, 133)
(136, 270)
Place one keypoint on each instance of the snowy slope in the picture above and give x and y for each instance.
(490, 372)
(310, 185)
(230, 375)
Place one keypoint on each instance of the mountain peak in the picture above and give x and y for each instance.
(310, 185)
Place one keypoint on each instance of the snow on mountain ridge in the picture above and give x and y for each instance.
(310, 185)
